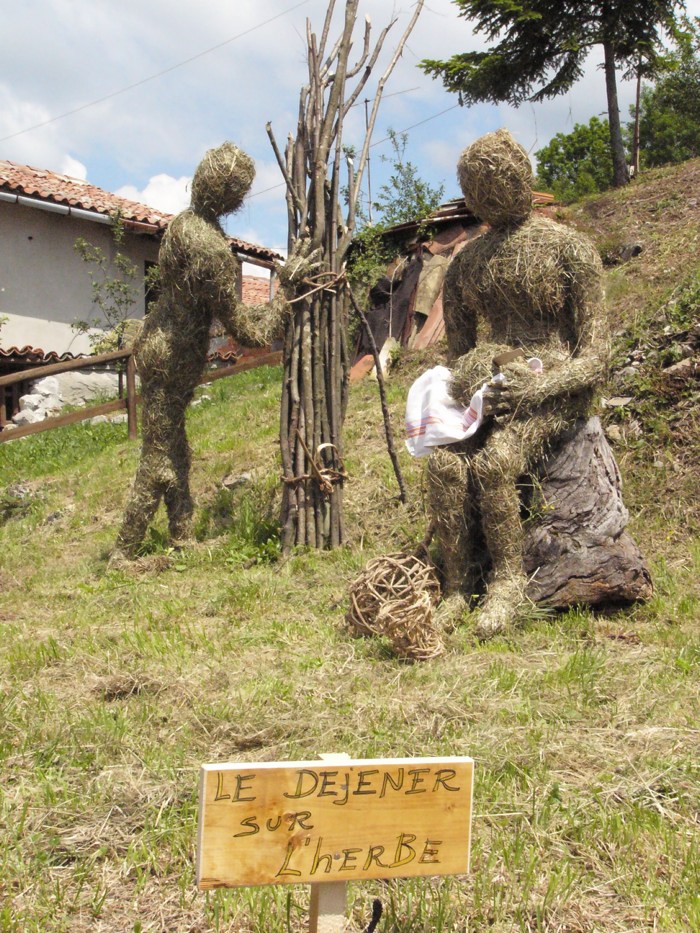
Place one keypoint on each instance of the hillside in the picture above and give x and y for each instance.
(653, 301)
(115, 686)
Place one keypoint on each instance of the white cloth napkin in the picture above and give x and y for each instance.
(433, 418)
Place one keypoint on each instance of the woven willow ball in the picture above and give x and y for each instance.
(408, 623)
(495, 176)
(395, 596)
(222, 180)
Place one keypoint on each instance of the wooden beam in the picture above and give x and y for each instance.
(131, 397)
(267, 359)
(128, 404)
(58, 421)
(327, 911)
(52, 369)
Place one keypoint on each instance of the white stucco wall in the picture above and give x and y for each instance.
(45, 285)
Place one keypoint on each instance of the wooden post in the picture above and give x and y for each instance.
(131, 397)
(329, 901)
(328, 907)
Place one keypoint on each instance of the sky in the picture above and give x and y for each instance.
(130, 95)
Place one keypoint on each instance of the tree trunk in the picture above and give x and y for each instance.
(637, 119)
(576, 548)
(617, 146)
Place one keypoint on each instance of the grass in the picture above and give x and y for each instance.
(115, 687)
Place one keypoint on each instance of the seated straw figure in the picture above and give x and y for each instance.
(199, 277)
(527, 288)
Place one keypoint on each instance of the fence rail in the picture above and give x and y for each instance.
(128, 404)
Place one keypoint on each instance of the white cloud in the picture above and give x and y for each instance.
(16, 113)
(268, 182)
(74, 168)
(248, 234)
(165, 193)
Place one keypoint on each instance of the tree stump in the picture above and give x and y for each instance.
(576, 549)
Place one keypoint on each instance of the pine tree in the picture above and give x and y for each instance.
(539, 48)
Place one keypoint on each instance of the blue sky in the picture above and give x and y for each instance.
(148, 87)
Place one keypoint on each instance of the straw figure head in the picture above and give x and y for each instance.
(495, 176)
(221, 181)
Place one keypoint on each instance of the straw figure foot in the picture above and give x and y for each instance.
(119, 560)
(450, 612)
(183, 539)
(502, 606)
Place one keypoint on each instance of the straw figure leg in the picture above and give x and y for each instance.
(497, 468)
(163, 473)
(511, 451)
(146, 493)
(177, 496)
(452, 506)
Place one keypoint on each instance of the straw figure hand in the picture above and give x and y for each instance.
(516, 393)
(533, 288)
(199, 283)
(302, 260)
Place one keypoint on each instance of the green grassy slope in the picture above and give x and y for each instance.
(115, 686)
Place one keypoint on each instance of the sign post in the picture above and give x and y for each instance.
(329, 901)
(329, 822)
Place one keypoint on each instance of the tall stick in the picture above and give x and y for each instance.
(388, 431)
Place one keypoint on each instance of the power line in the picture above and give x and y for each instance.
(387, 96)
(378, 143)
(255, 194)
(152, 77)
(414, 125)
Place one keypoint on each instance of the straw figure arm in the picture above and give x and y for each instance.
(259, 325)
(582, 330)
(460, 318)
(254, 325)
(472, 359)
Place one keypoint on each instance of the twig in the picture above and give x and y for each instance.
(325, 476)
(319, 288)
(360, 167)
(283, 168)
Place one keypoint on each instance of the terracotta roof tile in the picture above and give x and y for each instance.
(74, 192)
(456, 209)
(32, 355)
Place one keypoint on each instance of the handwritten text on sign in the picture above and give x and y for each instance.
(301, 822)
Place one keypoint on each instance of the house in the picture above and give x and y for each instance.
(44, 283)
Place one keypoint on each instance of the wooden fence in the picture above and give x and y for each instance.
(128, 404)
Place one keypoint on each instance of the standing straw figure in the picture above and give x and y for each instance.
(527, 288)
(199, 277)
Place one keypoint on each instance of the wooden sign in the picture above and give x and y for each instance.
(310, 822)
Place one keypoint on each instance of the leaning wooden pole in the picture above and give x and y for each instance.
(388, 430)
